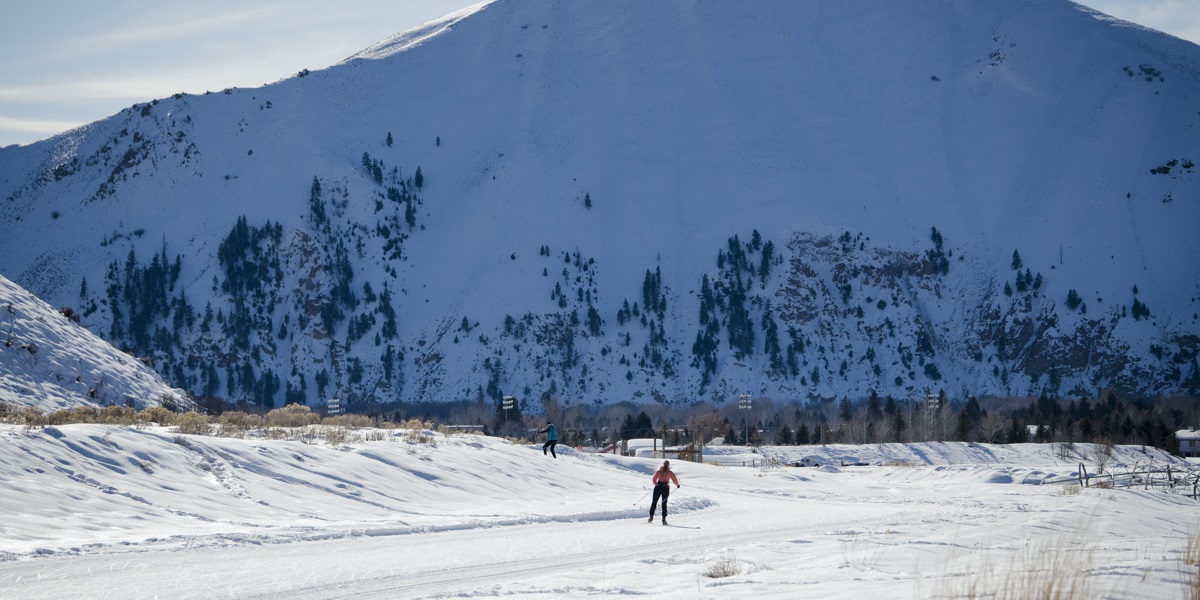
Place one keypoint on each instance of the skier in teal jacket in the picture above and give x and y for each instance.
(551, 438)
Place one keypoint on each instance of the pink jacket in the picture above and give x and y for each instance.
(664, 476)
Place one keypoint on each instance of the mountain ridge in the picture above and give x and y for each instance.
(905, 177)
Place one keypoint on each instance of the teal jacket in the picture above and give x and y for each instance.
(553, 434)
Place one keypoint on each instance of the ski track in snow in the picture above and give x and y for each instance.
(469, 517)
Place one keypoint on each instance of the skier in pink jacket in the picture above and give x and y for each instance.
(662, 479)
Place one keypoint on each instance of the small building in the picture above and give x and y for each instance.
(1189, 442)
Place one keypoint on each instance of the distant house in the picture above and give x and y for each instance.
(1189, 442)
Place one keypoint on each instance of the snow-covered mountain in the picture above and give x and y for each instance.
(669, 201)
(49, 362)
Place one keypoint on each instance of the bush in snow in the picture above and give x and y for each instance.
(726, 566)
(193, 423)
(350, 421)
(292, 415)
(157, 414)
(236, 423)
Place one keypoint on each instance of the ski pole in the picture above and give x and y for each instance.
(642, 498)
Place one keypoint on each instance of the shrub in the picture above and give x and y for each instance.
(376, 435)
(28, 416)
(1069, 490)
(338, 436)
(236, 423)
(292, 415)
(192, 422)
(416, 431)
(78, 414)
(157, 414)
(349, 421)
(116, 415)
(726, 566)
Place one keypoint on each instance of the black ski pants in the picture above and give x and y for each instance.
(550, 444)
(661, 490)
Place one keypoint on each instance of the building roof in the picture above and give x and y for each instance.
(1188, 434)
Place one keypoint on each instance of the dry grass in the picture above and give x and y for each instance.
(1054, 570)
(1191, 562)
(417, 431)
(1068, 490)
(291, 422)
(727, 565)
(1191, 554)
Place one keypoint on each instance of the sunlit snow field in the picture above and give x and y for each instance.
(95, 511)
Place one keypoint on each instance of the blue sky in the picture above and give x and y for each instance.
(64, 63)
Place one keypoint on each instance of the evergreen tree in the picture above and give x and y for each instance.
(962, 428)
(874, 407)
(783, 437)
(1073, 300)
(389, 362)
(899, 426)
(764, 266)
(802, 438)
(846, 410)
(419, 179)
(316, 207)
(389, 139)
(587, 200)
(1017, 433)
(593, 321)
(1016, 261)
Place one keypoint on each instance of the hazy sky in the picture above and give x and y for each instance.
(64, 63)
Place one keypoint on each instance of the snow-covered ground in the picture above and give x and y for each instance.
(90, 511)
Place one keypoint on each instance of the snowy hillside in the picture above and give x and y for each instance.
(96, 510)
(660, 202)
(49, 362)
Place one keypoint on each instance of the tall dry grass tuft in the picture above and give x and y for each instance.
(1191, 560)
(1054, 570)
(727, 565)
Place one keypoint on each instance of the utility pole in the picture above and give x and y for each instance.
(744, 404)
(507, 403)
